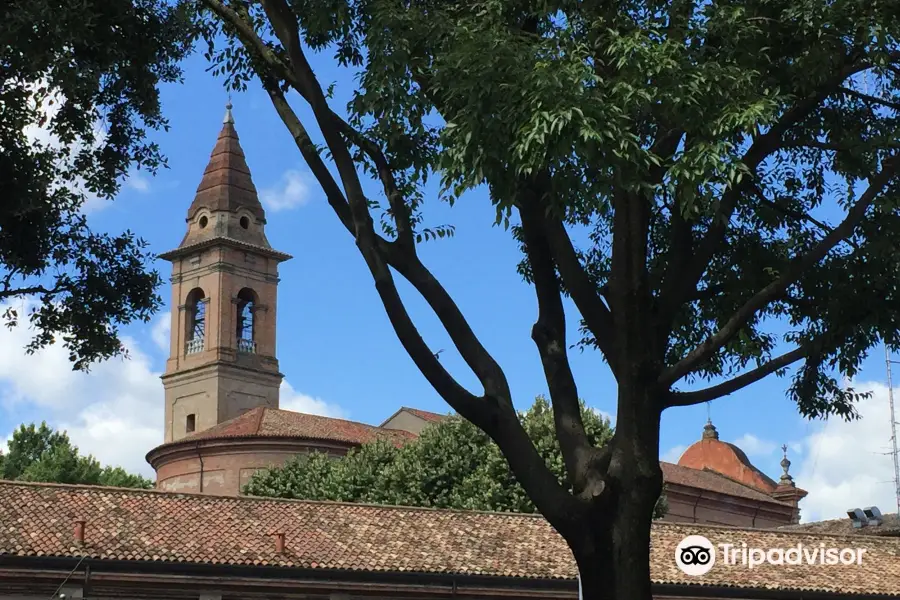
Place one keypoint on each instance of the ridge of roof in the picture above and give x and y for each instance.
(261, 499)
(738, 488)
(222, 430)
(424, 414)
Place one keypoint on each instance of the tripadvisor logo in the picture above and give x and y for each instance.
(696, 555)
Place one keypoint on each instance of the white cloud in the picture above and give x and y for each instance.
(604, 415)
(290, 399)
(115, 411)
(673, 454)
(161, 331)
(138, 182)
(42, 136)
(292, 190)
(754, 446)
(847, 465)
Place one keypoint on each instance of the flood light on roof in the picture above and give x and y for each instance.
(857, 517)
(874, 515)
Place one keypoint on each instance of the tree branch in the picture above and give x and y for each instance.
(792, 273)
(761, 148)
(494, 413)
(832, 147)
(257, 46)
(285, 25)
(737, 383)
(310, 154)
(794, 214)
(27, 291)
(354, 211)
(869, 99)
(549, 335)
(584, 292)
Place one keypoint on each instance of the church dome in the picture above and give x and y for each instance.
(710, 453)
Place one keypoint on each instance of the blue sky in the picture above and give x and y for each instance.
(335, 344)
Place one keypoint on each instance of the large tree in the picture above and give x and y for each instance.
(732, 162)
(42, 454)
(77, 95)
(452, 464)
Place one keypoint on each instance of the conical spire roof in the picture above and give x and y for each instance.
(226, 183)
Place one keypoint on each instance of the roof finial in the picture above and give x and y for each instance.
(709, 431)
(228, 118)
(786, 478)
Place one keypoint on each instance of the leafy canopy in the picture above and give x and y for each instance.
(42, 454)
(452, 464)
(77, 95)
(734, 122)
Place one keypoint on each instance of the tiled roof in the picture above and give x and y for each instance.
(712, 481)
(226, 183)
(271, 422)
(889, 526)
(146, 525)
(724, 457)
(424, 414)
(194, 246)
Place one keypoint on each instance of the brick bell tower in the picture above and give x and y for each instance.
(224, 286)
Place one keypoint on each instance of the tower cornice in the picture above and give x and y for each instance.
(183, 251)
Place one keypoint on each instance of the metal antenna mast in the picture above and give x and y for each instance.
(895, 452)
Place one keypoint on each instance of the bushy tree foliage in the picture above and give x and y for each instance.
(734, 163)
(453, 464)
(78, 90)
(42, 454)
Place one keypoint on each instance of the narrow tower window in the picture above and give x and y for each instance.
(245, 330)
(190, 424)
(196, 321)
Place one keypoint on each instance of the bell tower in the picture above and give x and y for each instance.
(224, 286)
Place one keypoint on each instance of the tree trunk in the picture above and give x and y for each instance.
(615, 562)
(613, 551)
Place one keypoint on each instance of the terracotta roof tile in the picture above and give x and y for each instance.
(270, 422)
(726, 458)
(139, 525)
(890, 526)
(424, 414)
(197, 245)
(226, 183)
(715, 482)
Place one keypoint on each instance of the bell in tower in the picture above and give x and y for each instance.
(224, 286)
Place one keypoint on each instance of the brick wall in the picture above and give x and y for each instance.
(692, 505)
(227, 465)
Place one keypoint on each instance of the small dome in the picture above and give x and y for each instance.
(727, 459)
